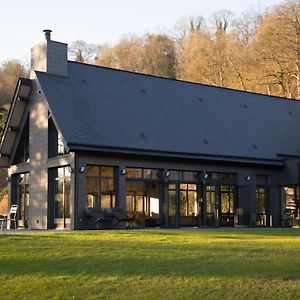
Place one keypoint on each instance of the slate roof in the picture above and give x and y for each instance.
(97, 107)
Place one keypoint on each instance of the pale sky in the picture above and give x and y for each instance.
(100, 21)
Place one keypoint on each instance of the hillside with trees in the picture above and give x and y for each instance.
(257, 52)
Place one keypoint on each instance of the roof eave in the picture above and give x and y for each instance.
(189, 156)
(21, 95)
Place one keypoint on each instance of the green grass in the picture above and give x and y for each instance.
(157, 264)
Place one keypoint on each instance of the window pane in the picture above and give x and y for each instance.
(107, 172)
(192, 187)
(172, 186)
(192, 204)
(92, 171)
(92, 191)
(183, 186)
(183, 203)
(105, 201)
(261, 179)
(225, 204)
(58, 199)
(67, 197)
(174, 175)
(134, 173)
(152, 174)
(188, 176)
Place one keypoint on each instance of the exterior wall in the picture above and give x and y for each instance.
(246, 190)
(38, 149)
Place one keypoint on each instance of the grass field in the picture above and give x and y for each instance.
(157, 264)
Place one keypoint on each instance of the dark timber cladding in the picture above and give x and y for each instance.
(90, 147)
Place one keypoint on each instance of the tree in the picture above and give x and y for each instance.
(278, 50)
(83, 52)
(126, 55)
(10, 71)
(151, 54)
(159, 56)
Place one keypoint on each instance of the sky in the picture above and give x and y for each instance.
(100, 21)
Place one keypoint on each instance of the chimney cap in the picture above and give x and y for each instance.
(47, 34)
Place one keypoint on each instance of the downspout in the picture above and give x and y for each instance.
(75, 192)
(298, 191)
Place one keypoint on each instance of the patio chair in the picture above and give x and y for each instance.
(10, 217)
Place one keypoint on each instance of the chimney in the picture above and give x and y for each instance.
(47, 34)
(49, 56)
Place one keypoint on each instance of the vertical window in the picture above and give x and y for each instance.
(188, 200)
(55, 140)
(260, 201)
(226, 198)
(210, 199)
(23, 201)
(60, 144)
(62, 197)
(290, 206)
(100, 186)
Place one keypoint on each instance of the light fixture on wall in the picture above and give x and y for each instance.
(247, 178)
(7, 178)
(167, 173)
(123, 171)
(205, 175)
(81, 169)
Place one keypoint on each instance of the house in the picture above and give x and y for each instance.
(170, 153)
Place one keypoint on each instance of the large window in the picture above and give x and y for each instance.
(23, 201)
(143, 196)
(290, 206)
(22, 152)
(183, 176)
(62, 197)
(55, 140)
(100, 186)
(188, 200)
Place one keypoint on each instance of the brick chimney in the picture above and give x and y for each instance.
(49, 56)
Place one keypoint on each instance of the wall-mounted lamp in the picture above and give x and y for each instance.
(81, 169)
(247, 178)
(205, 175)
(123, 171)
(7, 178)
(167, 173)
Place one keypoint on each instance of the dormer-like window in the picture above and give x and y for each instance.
(22, 152)
(55, 140)
(60, 145)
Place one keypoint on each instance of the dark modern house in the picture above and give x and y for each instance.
(170, 153)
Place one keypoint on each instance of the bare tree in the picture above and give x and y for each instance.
(82, 51)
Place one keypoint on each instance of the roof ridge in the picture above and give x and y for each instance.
(185, 81)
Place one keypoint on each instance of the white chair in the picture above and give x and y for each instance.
(11, 216)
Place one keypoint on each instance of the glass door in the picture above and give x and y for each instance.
(290, 206)
(261, 209)
(211, 206)
(188, 203)
(62, 198)
(173, 206)
(143, 202)
(23, 200)
(226, 207)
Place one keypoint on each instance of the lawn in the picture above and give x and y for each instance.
(157, 264)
